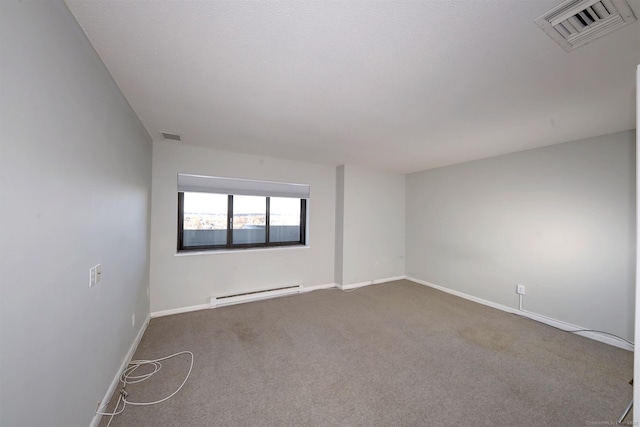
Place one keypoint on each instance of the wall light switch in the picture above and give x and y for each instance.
(92, 276)
(98, 272)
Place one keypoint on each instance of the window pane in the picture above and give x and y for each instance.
(205, 219)
(284, 219)
(249, 220)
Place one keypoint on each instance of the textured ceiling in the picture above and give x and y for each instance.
(397, 86)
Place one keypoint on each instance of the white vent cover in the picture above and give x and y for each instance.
(171, 136)
(575, 23)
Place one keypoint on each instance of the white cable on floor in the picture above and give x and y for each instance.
(561, 329)
(116, 411)
(157, 366)
(127, 377)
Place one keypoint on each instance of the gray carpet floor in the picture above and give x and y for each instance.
(396, 354)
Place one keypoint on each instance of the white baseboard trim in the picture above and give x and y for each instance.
(306, 289)
(537, 317)
(258, 297)
(116, 380)
(180, 310)
(465, 296)
(369, 283)
(388, 279)
(354, 285)
(568, 327)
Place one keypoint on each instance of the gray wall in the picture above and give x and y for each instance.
(339, 255)
(559, 219)
(75, 189)
(371, 226)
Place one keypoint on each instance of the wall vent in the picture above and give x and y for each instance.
(575, 23)
(171, 136)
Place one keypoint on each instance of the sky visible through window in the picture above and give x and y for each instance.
(206, 211)
(203, 203)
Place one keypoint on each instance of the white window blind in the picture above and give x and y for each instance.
(244, 187)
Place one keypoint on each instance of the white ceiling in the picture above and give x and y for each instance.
(398, 86)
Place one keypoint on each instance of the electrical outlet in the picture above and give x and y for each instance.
(133, 320)
(520, 289)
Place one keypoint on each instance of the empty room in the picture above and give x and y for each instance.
(328, 213)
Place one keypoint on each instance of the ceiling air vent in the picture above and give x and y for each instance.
(171, 136)
(577, 22)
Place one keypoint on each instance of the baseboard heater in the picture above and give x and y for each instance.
(221, 301)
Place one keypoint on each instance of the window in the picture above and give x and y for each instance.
(225, 213)
(249, 220)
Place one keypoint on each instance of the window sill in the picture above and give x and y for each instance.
(235, 251)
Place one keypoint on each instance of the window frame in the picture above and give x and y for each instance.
(239, 246)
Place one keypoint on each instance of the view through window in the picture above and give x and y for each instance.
(216, 221)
